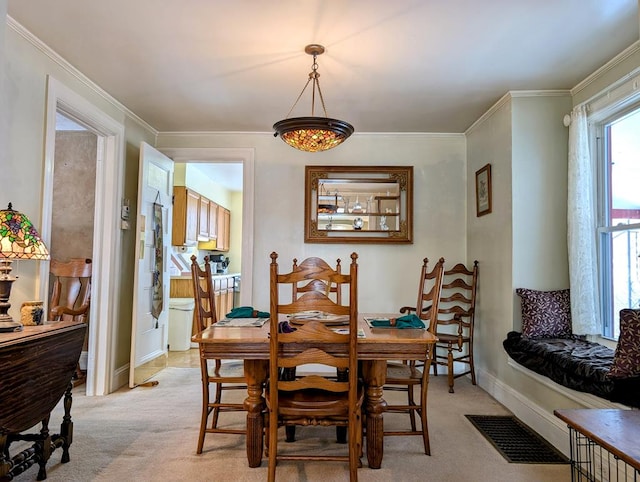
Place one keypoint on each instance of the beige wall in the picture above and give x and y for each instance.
(4, 114)
(388, 273)
(23, 163)
(522, 243)
(489, 237)
(522, 138)
(74, 186)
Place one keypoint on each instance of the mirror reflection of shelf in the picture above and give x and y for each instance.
(371, 222)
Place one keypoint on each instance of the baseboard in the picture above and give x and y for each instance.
(538, 418)
(545, 423)
(120, 378)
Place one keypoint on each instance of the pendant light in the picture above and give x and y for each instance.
(313, 134)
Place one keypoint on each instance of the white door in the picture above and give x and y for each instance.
(149, 327)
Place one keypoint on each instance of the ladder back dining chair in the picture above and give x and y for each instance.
(216, 377)
(313, 397)
(405, 376)
(456, 316)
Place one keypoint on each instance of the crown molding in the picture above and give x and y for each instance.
(355, 134)
(71, 70)
(513, 94)
(614, 62)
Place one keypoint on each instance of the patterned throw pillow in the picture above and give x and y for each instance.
(545, 314)
(626, 361)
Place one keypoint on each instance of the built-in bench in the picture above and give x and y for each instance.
(576, 363)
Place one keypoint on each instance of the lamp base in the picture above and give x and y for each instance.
(6, 321)
(10, 326)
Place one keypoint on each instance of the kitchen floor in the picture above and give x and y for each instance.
(184, 359)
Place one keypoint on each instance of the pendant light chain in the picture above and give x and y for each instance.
(316, 83)
(313, 75)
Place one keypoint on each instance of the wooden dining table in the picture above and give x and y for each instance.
(251, 344)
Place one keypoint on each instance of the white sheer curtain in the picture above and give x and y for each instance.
(581, 229)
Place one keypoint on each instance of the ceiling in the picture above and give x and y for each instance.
(389, 66)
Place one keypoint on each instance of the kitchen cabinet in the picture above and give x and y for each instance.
(213, 220)
(203, 219)
(224, 221)
(186, 212)
(223, 292)
(196, 218)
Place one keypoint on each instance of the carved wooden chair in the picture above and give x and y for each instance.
(70, 289)
(224, 376)
(317, 285)
(333, 291)
(70, 299)
(406, 375)
(314, 398)
(456, 310)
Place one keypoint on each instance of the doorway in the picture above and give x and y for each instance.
(73, 206)
(106, 238)
(216, 156)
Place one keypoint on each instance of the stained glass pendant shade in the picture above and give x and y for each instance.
(313, 134)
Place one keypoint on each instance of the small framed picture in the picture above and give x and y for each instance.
(483, 190)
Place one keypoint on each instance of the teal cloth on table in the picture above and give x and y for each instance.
(406, 321)
(247, 312)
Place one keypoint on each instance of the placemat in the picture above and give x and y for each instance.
(241, 322)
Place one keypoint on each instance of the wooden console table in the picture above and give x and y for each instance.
(36, 368)
(604, 443)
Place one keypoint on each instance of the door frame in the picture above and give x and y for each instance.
(105, 296)
(246, 156)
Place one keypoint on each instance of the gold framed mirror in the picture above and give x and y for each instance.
(358, 204)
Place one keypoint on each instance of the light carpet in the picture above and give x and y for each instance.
(150, 434)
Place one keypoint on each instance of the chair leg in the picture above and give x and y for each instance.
(341, 434)
(412, 412)
(290, 433)
(471, 366)
(216, 409)
(450, 367)
(203, 419)
(273, 447)
(435, 361)
(354, 458)
(423, 419)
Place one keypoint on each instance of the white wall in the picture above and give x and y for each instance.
(388, 273)
(489, 237)
(24, 100)
(4, 115)
(522, 243)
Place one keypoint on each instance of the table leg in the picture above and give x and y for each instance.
(374, 373)
(255, 372)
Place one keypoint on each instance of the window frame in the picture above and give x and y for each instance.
(601, 121)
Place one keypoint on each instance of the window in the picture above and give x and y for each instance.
(619, 215)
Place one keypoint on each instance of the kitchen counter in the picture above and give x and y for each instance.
(214, 276)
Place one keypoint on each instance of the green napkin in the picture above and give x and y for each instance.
(247, 312)
(406, 321)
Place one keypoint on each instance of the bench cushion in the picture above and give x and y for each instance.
(575, 363)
